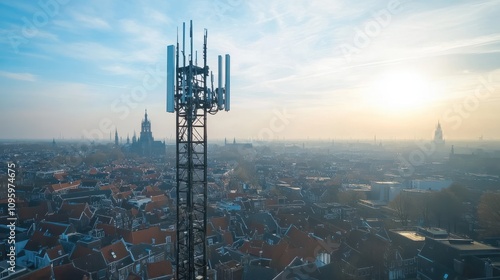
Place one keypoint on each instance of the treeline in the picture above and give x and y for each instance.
(456, 209)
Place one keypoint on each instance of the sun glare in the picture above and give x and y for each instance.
(401, 91)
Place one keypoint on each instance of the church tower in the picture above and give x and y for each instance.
(146, 134)
(438, 135)
(439, 142)
(116, 137)
(145, 144)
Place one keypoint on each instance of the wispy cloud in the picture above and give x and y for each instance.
(283, 54)
(120, 70)
(18, 76)
(91, 21)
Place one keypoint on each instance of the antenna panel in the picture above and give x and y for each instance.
(228, 82)
(170, 79)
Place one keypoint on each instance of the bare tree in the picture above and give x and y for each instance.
(402, 205)
(488, 213)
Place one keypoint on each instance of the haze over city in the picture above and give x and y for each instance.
(317, 70)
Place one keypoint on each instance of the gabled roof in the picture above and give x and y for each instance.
(76, 210)
(80, 251)
(68, 271)
(109, 230)
(113, 188)
(220, 223)
(63, 186)
(42, 273)
(159, 269)
(157, 202)
(300, 220)
(102, 218)
(252, 247)
(123, 195)
(35, 212)
(40, 240)
(59, 217)
(91, 263)
(227, 236)
(273, 252)
(147, 236)
(133, 276)
(55, 228)
(115, 252)
(264, 218)
(56, 252)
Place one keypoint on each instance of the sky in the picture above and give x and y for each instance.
(333, 69)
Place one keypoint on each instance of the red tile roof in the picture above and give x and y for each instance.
(228, 237)
(113, 188)
(35, 212)
(259, 228)
(147, 236)
(53, 228)
(114, 252)
(109, 230)
(63, 186)
(39, 240)
(42, 273)
(76, 210)
(56, 252)
(133, 276)
(159, 269)
(68, 271)
(220, 223)
(252, 247)
(157, 202)
(80, 251)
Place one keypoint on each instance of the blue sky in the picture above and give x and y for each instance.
(312, 69)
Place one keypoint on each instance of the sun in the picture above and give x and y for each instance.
(398, 91)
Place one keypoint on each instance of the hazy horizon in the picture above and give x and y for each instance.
(317, 70)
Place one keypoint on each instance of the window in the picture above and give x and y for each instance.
(138, 267)
(168, 239)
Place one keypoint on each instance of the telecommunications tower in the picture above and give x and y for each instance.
(191, 95)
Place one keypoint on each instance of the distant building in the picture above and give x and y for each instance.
(237, 145)
(431, 184)
(385, 191)
(438, 136)
(116, 138)
(146, 145)
(457, 258)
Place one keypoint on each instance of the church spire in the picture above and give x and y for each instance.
(116, 137)
(438, 134)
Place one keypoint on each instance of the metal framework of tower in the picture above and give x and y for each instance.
(192, 99)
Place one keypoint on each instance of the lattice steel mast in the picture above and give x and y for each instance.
(189, 96)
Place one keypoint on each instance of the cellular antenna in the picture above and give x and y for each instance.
(191, 95)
